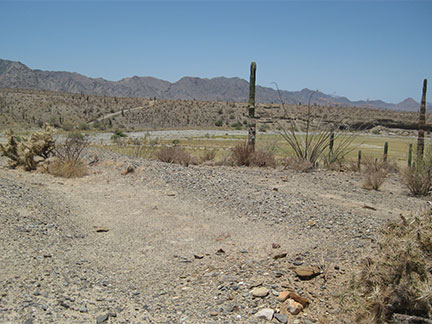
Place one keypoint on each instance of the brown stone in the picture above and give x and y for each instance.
(307, 272)
(303, 301)
(290, 306)
(283, 296)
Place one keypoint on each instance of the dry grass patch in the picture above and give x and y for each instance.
(174, 154)
(397, 276)
(241, 155)
(67, 168)
(375, 173)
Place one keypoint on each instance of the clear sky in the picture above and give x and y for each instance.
(361, 50)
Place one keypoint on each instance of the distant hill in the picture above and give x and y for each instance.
(17, 75)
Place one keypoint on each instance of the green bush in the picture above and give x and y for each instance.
(219, 123)
(118, 134)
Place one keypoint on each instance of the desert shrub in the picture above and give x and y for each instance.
(418, 178)
(118, 134)
(73, 147)
(396, 278)
(294, 163)
(68, 162)
(174, 154)
(262, 159)
(237, 125)
(241, 155)
(208, 155)
(219, 123)
(375, 173)
(29, 151)
(83, 126)
(67, 168)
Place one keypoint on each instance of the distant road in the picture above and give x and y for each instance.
(151, 104)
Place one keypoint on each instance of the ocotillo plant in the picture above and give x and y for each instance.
(251, 108)
(422, 123)
(385, 152)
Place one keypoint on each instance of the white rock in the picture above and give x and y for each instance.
(265, 313)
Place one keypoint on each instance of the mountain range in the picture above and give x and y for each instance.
(17, 75)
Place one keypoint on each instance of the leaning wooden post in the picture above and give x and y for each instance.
(422, 123)
(385, 152)
(251, 109)
(410, 155)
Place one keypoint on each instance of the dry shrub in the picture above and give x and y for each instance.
(375, 173)
(294, 163)
(241, 155)
(397, 277)
(174, 154)
(418, 179)
(262, 159)
(67, 168)
(208, 156)
(68, 162)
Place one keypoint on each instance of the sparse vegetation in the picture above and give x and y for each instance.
(24, 108)
(174, 154)
(118, 134)
(396, 277)
(68, 162)
(375, 173)
(242, 155)
(418, 177)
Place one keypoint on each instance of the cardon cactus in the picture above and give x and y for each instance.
(251, 108)
(422, 123)
(29, 151)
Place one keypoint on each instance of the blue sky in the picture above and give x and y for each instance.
(361, 50)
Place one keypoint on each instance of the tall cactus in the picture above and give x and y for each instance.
(385, 152)
(422, 123)
(251, 108)
(410, 155)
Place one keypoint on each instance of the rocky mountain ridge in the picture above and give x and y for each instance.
(17, 75)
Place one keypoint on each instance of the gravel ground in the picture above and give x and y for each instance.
(174, 244)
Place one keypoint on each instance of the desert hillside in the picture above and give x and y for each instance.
(31, 108)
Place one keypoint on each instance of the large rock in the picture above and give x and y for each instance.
(407, 319)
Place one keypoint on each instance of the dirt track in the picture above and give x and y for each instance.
(143, 246)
